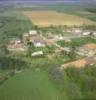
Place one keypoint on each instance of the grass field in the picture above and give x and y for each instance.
(48, 18)
(29, 85)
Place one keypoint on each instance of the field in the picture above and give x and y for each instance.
(48, 18)
(29, 85)
(13, 24)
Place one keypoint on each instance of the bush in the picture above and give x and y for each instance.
(56, 75)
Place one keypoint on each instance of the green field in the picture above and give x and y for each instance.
(29, 85)
(12, 25)
(40, 84)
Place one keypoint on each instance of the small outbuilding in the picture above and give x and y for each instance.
(38, 53)
(33, 32)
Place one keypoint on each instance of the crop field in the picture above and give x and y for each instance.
(48, 18)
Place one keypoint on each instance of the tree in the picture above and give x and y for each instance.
(72, 53)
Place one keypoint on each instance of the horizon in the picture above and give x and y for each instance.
(85, 2)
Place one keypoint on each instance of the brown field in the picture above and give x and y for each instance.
(47, 18)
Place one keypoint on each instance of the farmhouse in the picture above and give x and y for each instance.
(50, 35)
(58, 37)
(87, 50)
(76, 30)
(33, 32)
(39, 42)
(86, 33)
(68, 30)
(16, 45)
(81, 63)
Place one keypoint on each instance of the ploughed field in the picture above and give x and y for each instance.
(48, 18)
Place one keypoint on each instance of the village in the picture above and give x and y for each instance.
(36, 39)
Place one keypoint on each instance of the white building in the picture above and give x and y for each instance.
(39, 44)
(33, 32)
(86, 33)
(58, 37)
(78, 31)
(38, 53)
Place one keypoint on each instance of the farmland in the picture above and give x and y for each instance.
(48, 18)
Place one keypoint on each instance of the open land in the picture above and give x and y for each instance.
(48, 18)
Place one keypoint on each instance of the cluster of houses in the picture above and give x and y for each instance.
(31, 37)
(16, 45)
(34, 37)
(81, 31)
(38, 40)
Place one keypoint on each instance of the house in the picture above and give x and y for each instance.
(49, 35)
(87, 50)
(86, 33)
(68, 30)
(33, 32)
(38, 53)
(77, 30)
(81, 63)
(39, 42)
(58, 37)
(16, 45)
(66, 49)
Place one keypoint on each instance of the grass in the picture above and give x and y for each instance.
(77, 42)
(29, 85)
